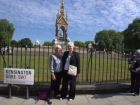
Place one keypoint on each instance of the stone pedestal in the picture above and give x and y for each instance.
(60, 42)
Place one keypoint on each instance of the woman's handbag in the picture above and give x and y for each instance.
(72, 70)
(138, 69)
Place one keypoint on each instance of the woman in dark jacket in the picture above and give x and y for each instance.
(69, 58)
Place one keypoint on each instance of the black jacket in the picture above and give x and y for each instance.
(74, 60)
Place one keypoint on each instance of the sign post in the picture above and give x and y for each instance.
(10, 90)
(27, 92)
(20, 77)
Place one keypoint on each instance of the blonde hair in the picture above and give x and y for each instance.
(71, 44)
(58, 46)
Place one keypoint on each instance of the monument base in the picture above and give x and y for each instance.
(60, 42)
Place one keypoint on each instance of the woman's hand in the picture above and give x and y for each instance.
(78, 74)
(53, 77)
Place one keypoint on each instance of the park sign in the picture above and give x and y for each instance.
(19, 76)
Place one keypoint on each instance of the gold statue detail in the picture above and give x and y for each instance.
(61, 35)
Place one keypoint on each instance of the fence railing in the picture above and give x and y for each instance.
(96, 66)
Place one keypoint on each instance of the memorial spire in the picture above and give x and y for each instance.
(62, 7)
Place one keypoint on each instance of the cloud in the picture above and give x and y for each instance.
(102, 13)
(28, 11)
(82, 12)
(90, 16)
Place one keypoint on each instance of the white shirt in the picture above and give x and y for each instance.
(67, 63)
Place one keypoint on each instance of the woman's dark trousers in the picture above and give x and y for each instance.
(137, 83)
(55, 85)
(133, 80)
(67, 79)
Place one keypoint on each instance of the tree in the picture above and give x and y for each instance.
(132, 35)
(79, 44)
(47, 43)
(102, 45)
(108, 39)
(118, 40)
(3, 38)
(14, 43)
(6, 31)
(25, 42)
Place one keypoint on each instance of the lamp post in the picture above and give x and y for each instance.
(26, 46)
(90, 50)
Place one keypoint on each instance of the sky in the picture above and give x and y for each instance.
(35, 19)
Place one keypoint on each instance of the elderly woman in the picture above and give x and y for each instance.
(56, 72)
(69, 58)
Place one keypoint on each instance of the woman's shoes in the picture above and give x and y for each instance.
(70, 99)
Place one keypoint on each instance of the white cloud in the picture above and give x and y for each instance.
(28, 11)
(88, 15)
(109, 13)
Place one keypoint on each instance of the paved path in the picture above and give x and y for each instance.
(97, 99)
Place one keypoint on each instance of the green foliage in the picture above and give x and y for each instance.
(79, 44)
(6, 31)
(3, 38)
(132, 35)
(109, 39)
(14, 43)
(25, 42)
(47, 43)
(83, 44)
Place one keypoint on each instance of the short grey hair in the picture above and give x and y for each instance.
(71, 44)
(58, 46)
(138, 51)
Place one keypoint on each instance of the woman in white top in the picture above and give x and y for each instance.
(70, 57)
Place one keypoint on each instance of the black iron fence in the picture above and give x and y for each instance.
(96, 66)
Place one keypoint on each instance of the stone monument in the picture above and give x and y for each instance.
(61, 36)
(37, 43)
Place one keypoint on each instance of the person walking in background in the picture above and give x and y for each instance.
(135, 72)
(132, 62)
(56, 73)
(70, 57)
